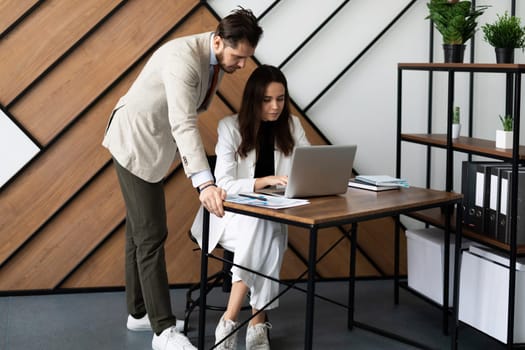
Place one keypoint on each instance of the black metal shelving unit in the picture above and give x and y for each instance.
(471, 145)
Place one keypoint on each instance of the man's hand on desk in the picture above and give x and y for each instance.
(212, 197)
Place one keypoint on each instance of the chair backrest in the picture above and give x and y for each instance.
(212, 160)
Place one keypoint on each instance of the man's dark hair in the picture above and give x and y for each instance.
(239, 25)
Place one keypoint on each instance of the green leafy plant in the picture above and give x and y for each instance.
(505, 32)
(455, 20)
(506, 122)
(455, 115)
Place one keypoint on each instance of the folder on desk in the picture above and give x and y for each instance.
(505, 203)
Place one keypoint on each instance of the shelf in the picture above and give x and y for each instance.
(464, 144)
(469, 145)
(436, 217)
(465, 67)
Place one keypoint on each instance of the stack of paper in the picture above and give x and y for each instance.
(260, 200)
(366, 186)
(382, 180)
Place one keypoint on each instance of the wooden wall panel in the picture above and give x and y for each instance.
(29, 50)
(208, 122)
(105, 268)
(376, 238)
(336, 264)
(62, 222)
(89, 70)
(63, 168)
(12, 10)
(45, 186)
(59, 246)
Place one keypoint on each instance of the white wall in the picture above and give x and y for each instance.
(16, 149)
(361, 107)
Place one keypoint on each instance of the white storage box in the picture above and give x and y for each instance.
(484, 293)
(425, 260)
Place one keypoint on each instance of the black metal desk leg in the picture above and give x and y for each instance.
(396, 259)
(457, 257)
(351, 288)
(312, 257)
(446, 267)
(204, 276)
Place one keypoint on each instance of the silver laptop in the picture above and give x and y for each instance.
(318, 171)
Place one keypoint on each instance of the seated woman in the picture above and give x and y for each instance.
(253, 151)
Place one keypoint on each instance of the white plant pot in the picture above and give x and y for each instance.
(503, 139)
(456, 129)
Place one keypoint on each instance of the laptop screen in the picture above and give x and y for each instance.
(318, 171)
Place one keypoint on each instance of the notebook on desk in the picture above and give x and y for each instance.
(317, 171)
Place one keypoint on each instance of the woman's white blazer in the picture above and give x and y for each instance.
(236, 174)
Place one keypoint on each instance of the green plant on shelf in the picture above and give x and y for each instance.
(506, 122)
(505, 32)
(455, 20)
(456, 115)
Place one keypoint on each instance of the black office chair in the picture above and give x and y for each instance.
(221, 278)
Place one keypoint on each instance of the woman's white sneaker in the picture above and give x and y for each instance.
(257, 337)
(224, 328)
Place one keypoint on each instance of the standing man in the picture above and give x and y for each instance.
(154, 119)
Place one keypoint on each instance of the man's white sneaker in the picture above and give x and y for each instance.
(143, 324)
(257, 337)
(224, 328)
(170, 339)
(138, 324)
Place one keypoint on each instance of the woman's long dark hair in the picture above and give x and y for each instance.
(251, 111)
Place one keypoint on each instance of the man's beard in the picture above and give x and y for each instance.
(227, 69)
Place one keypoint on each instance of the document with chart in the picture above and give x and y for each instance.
(265, 201)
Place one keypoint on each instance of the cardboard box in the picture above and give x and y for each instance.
(425, 260)
(484, 293)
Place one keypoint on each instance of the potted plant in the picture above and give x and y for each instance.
(505, 35)
(457, 22)
(504, 137)
(456, 126)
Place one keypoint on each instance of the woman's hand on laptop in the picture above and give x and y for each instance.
(274, 180)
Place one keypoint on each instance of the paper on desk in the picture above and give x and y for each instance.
(264, 201)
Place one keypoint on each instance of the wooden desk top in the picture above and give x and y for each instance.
(355, 205)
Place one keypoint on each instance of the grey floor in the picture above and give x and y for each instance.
(96, 321)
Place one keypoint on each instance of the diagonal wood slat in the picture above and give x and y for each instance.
(12, 10)
(376, 238)
(80, 78)
(45, 186)
(28, 51)
(337, 262)
(105, 267)
(64, 241)
(62, 169)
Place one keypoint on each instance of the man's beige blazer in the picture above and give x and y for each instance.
(158, 115)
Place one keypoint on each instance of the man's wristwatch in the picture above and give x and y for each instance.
(199, 190)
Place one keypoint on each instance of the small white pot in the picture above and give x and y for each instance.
(456, 129)
(503, 139)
